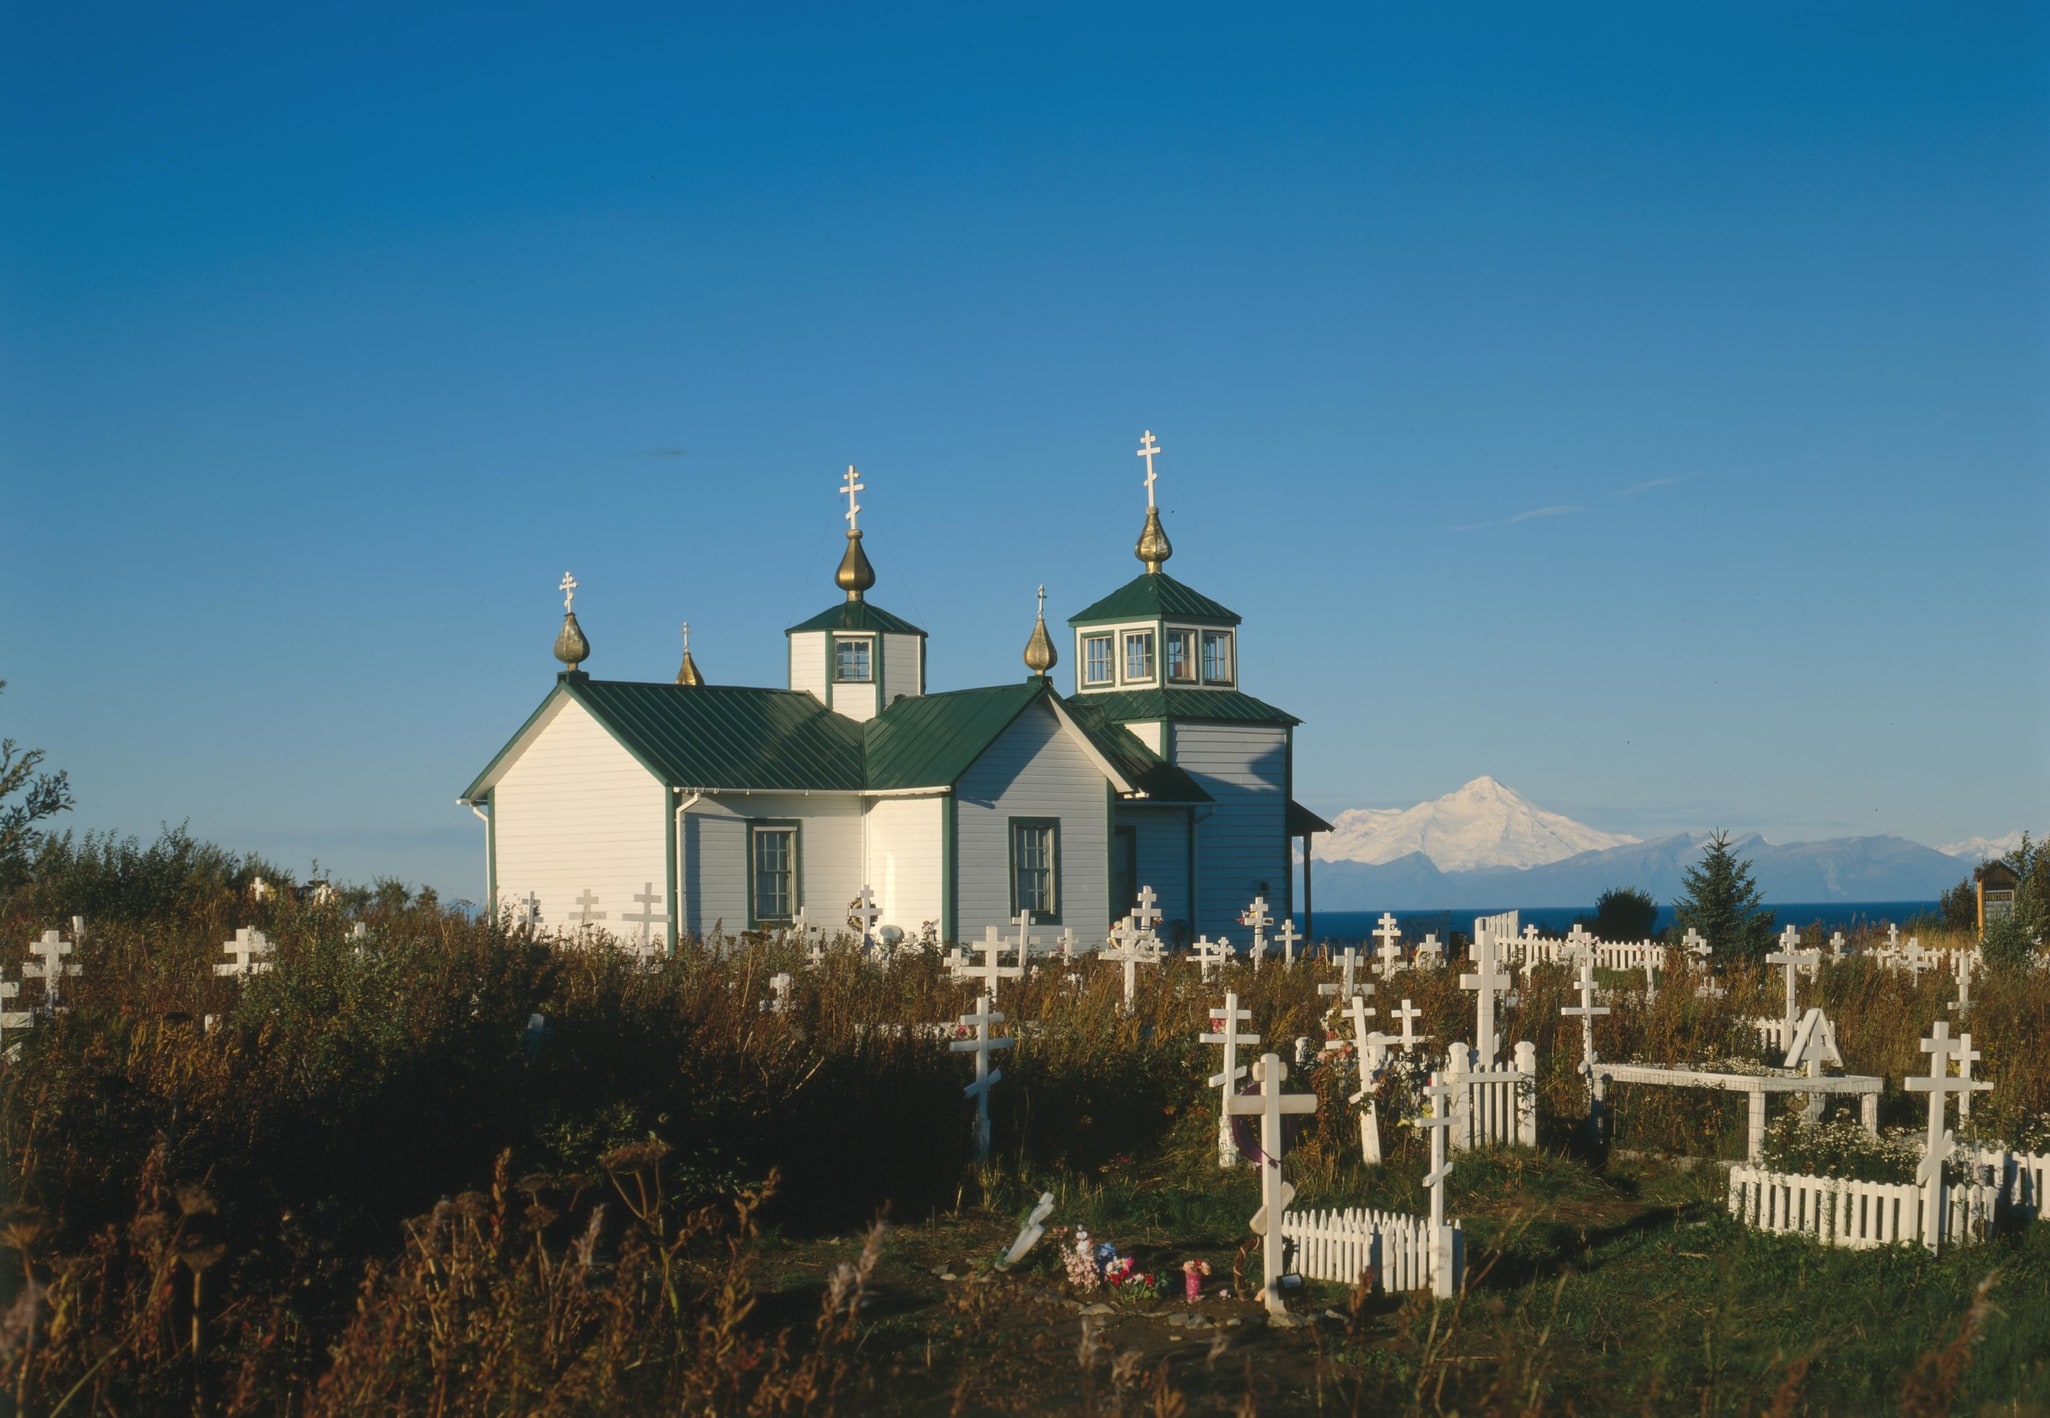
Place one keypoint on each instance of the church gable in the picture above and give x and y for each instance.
(1032, 820)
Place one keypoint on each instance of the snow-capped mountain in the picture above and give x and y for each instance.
(1983, 849)
(1481, 825)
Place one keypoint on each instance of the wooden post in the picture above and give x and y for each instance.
(1526, 1095)
(1309, 920)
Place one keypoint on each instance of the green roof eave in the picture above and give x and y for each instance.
(1226, 706)
(931, 740)
(472, 795)
(1155, 595)
(1153, 778)
(857, 615)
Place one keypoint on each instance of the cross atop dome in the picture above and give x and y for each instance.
(1153, 548)
(851, 485)
(569, 592)
(1149, 450)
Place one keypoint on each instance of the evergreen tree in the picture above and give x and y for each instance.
(1622, 913)
(1721, 901)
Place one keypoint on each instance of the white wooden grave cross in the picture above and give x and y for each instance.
(1288, 938)
(1029, 1234)
(863, 915)
(1430, 955)
(1226, 1023)
(1026, 940)
(1210, 954)
(53, 967)
(1067, 944)
(981, 1045)
(1529, 943)
(1836, 946)
(1270, 1105)
(1131, 955)
(1918, 959)
(1790, 958)
(1967, 1056)
(1961, 968)
(1146, 912)
(1893, 936)
(647, 919)
(1936, 1142)
(1369, 1050)
(1408, 1014)
(259, 888)
(249, 949)
(779, 992)
(992, 969)
(1485, 980)
(586, 912)
(1443, 1264)
(1256, 916)
(1587, 1009)
(1348, 968)
(1390, 951)
(1696, 945)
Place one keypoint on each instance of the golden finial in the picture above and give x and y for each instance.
(570, 645)
(688, 674)
(1040, 655)
(1154, 548)
(855, 574)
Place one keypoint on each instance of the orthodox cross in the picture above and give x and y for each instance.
(1042, 600)
(585, 915)
(1697, 945)
(1390, 936)
(1369, 1049)
(1149, 450)
(1485, 981)
(1146, 914)
(649, 899)
(1131, 955)
(992, 969)
(1893, 936)
(1025, 942)
(259, 888)
(1836, 946)
(50, 951)
(864, 915)
(569, 592)
(1226, 1023)
(1067, 943)
(1578, 939)
(1530, 942)
(1209, 954)
(249, 949)
(1257, 917)
(779, 992)
(850, 486)
(1966, 1056)
(1430, 955)
(1288, 939)
(1587, 1009)
(1440, 1094)
(686, 637)
(1348, 964)
(1408, 1014)
(1790, 958)
(981, 1045)
(1961, 966)
(1270, 1105)
(1936, 1143)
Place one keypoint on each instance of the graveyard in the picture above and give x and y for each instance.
(285, 1150)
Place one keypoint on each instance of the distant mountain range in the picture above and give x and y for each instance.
(1485, 846)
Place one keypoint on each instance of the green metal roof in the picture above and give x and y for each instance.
(1129, 706)
(857, 615)
(725, 736)
(929, 740)
(1155, 595)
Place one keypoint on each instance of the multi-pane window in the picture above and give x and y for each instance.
(852, 660)
(1181, 656)
(1138, 655)
(1096, 659)
(773, 861)
(1036, 867)
(1217, 666)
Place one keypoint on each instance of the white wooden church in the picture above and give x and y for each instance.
(653, 810)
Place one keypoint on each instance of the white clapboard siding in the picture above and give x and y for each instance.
(1243, 842)
(575, 812)
(1034, 769)
(903, 667)
(1163, 851)
(1150, 732)
(1394, 1252)
(713, 869)
(904, 860)
(856, 699)
(808, 663)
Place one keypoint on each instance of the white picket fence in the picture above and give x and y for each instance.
(1857, 1215)
(1393, 1251)
(1492, 1104)
(1608, 954)
(2022, 1180)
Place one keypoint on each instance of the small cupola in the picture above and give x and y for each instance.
(687, 673)
(855, 657)
(570, 645)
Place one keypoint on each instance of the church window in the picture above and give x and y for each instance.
(1124, 875)
(851, 661)
(1096, 659)
(1139, 655)
(1217, 657)
(1036, 868)
(1181, 656)
(772, 861)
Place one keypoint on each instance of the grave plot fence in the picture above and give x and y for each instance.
(1857, 1215)
(2022, 1180)
(1394, 1251)
(1493, 1105)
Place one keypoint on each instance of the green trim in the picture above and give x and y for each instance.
(672, 804)
(1223, 706)
(1155, 596)
(1110, 850)
(491, 850)
(796, 829)
(1011, 826)
(947, 894)
(1287, 797)
(857, 615)
(829, 668)
(468, 797)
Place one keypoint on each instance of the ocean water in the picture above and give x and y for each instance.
(1348, 927)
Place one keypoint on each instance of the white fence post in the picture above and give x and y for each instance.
(1526, 1095)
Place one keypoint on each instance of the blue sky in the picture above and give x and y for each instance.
(1643, 405)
